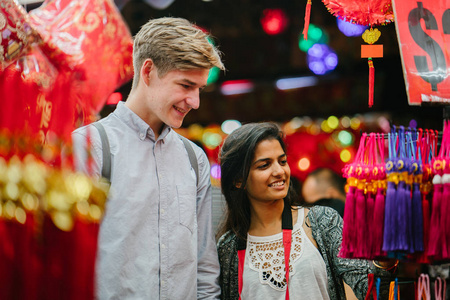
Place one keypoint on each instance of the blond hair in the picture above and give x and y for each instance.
(173, 44)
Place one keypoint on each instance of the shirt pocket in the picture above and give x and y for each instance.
(187, 206)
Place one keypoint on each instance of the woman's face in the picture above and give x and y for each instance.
(268, 179)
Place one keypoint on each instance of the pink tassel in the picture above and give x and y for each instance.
(417, 218)
(348, 248)
(445, 209)
(360, 223)
(435, 220)
(378, 223)
(370, 205)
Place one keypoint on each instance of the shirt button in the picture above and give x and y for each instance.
(163, 246)
(142, 135)
(162, 211)
(163, 282)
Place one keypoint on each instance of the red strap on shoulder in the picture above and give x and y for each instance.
(241, 259)
(287, 240)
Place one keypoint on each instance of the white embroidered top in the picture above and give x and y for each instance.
(264, 270)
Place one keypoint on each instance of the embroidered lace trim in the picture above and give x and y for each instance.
(267, 258)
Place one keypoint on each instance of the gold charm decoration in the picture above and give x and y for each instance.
(371, 35)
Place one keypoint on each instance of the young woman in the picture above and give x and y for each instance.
(265, 224)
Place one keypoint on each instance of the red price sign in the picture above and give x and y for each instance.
(423, 31)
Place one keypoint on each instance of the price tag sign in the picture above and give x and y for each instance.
(423, 31)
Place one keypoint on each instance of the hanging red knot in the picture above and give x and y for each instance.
(307, 17)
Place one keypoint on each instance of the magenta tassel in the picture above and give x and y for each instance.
(435, 220)
(370, 205)
(417, 218)
(348, 248)
(360, 223)
(444, 217)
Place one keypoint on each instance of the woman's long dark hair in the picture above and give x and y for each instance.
(236, 156)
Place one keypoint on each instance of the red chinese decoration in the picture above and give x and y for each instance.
(363, 12)
(58, 66)
(368, 13)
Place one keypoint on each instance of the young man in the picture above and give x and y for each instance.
(155, 240)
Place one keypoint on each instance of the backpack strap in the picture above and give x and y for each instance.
(191, 154)
(106, 167)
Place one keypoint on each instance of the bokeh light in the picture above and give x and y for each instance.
(315, 35)
(274, 21)
(355, 123)
(215, 171)
(345, 122)
(321, 59)
(304, 164)
(229, 126)
(333, 122)
(345, 155)
(324, 126)
(211, 140)
(350, 29)
(213, 75)
(345, 138)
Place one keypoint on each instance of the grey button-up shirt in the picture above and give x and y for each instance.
(155, 240)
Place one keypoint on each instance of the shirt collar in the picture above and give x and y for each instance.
(138, 125)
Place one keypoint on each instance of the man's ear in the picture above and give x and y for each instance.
(147, 67)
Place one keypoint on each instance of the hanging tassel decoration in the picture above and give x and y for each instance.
(360, 221)
(390, 221)
(370, 51)
(417, 217)
(378, 211)
(307, 18)
(371, 81)
(435, 220)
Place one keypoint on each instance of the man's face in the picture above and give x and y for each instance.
(171, 97)
(310, 190)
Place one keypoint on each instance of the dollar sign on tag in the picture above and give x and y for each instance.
(438, 73)
(446, 21)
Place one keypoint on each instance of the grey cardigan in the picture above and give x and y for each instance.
(326, 226)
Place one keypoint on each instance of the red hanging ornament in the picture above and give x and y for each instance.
(368, 13)
(307, 18)
(362, 12)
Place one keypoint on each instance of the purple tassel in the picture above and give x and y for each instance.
(378, 223)
(408, 218)
(389, 218)
(417, 218)
(401, 214)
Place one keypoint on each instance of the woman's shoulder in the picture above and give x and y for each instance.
(319, 214)
(227, 240)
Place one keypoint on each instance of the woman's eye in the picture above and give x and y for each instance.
(283, 162)
(263, 166)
